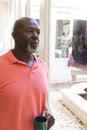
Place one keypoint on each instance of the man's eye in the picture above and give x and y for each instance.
(29, 30)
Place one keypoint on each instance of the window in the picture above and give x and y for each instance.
(63, 40)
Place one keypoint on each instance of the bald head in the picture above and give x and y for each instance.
(22, 22)
(26, 35)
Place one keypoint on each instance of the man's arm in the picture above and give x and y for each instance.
(47, 113)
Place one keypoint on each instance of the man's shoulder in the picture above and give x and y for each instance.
(41, 61)
(43, 64)
(3, 56)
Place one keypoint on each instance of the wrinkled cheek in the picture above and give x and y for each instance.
(33, 47)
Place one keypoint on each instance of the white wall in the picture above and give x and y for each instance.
(3, 27)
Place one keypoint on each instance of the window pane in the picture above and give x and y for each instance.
(63, 41)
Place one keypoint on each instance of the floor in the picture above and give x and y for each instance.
(64, 118)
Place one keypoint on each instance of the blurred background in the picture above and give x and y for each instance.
(56, 19)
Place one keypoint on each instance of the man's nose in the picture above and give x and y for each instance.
(35, 35)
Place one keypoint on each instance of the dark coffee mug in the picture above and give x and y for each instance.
(40, 123)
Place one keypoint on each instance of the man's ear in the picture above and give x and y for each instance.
(14, 35)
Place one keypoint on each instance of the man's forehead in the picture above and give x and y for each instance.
(30, 23)
(25, 23)
(26, 27)
(31, 27)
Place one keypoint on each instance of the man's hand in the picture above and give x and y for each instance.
(50, 118)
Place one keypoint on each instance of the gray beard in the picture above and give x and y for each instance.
(31, 50)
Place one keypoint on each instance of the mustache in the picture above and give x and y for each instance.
(28, 44)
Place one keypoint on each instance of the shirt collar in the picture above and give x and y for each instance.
(13, 59)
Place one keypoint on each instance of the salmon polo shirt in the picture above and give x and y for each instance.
(23, 92)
